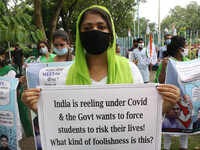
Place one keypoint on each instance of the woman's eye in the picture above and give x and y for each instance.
(102, 27)
(86, 28)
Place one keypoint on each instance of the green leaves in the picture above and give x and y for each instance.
(6, 19)
(21, 36)
(16, 28)
(2, 7)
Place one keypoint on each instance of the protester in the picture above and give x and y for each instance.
(167, 39)
(43, 48)
(61, 47)
(118, 50)
(22, 111)
(96, 62)
(138, 57)
(17, 59)
(133, 47)
(176, 50)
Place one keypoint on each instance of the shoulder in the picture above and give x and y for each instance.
(63, 76)
(131, 49)
(163, 47)
(135, 73)
(186, 59)
(11, 74)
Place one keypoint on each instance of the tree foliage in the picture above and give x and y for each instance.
(188, 17)
(16, 27)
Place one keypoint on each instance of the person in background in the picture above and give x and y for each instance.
(176, 50)
(133, 47)
(138, 57)
(118, 50)
(17, 59)
(61, 47)
(167, 40)
(43, 48)
(71, 47)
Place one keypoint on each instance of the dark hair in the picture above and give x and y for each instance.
(4, 136)
(35, 122)
(135, 40)
(139, 39)
(117, 45)
(45, 43)
(62, 34)
(4, 62)
(167, 35)
(104, 15)
(176, 42)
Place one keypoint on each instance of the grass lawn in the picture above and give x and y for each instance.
(193, 142)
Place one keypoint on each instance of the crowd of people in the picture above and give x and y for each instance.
(98, 62)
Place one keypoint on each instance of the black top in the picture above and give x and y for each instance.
(131, 49)
(17, 55)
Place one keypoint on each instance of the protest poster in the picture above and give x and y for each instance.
(184, 117)
(44, 74)
(8, 113)
(100, 117)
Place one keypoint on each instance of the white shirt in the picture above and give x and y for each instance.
(137, 78)
(143, 67)
(10, 74)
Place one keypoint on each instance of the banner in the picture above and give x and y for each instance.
(184, 117)
(9, 115)
(100, 117)
(44, 74)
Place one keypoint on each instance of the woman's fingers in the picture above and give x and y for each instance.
(30, 98)
(170, 95)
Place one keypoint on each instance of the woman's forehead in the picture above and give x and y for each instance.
(93, 18)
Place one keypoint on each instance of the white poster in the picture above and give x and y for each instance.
(109, 117)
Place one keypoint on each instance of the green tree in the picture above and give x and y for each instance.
(188, 17)
(16, 27)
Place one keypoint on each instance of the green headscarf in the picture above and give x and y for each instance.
(118, 67)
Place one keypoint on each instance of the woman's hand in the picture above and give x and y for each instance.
(170, 95)
(30, 98)
(162, 75)
(164, 62)
(22, 79)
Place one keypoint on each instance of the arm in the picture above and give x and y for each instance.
(161, 77)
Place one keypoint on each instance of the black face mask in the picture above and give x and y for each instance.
(95, 42)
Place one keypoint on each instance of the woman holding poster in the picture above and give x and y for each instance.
(96, 62)
(176, 50)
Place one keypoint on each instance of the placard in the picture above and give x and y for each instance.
(100, 117)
